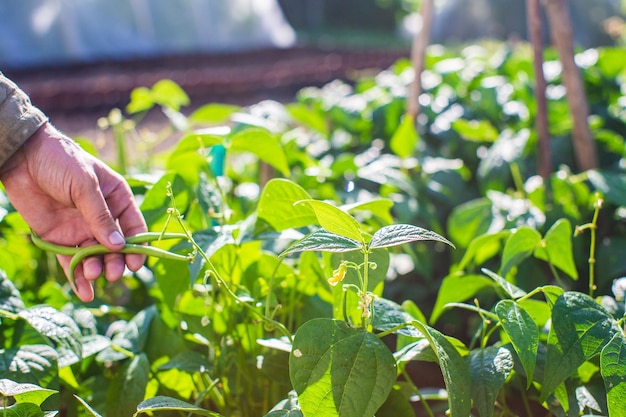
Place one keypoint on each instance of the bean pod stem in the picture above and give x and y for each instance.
(134, 244)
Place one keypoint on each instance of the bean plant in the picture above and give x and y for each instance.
(328, 257)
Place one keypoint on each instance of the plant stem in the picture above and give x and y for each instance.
(221, 282)
(478, 310)
(366, 304)
(526, 404)
(417, 391)
(593, 227)
(120, 144)
(517, 178)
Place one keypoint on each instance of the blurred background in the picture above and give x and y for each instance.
(80, 58)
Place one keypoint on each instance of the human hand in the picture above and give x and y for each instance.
(71, 198)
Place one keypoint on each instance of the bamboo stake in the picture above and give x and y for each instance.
(541, 118)
(418, 56)
(562, 36)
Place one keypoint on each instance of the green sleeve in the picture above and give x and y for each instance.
(19, 119)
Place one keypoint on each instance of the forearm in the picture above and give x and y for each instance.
(19, 119)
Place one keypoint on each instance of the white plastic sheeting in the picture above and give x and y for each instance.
(40, 32)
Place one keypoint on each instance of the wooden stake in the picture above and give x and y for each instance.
(562, 36)
(535, 32)
(418, 56)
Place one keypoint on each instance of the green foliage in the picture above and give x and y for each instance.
(338, 370)
(340, 251)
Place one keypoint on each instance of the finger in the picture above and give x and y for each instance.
(92, 206)
(81, 286)
(121, 202)
(114, 266)
(135, 261)
(84, 287)
(129, 217)
(92, 267)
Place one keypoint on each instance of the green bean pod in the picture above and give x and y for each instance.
(134, 244)
(129, 248)
(51, 247)
(154, 236)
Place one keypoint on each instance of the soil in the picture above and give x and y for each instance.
(74, 96)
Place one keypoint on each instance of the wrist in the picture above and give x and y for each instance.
(29, 145)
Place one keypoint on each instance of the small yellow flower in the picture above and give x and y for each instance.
(338, 274)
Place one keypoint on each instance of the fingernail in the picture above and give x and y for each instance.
(116, 238)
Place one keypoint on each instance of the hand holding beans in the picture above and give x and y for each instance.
(72, 199)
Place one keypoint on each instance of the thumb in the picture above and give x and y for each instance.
(92, 206)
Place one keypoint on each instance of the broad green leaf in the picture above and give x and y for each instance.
(187, 361)
(286, 408)
(519, 246)
(609, 61)
(613, 370)
(552, 294)
(405, 138)
(539, 310)
(162, 403)
(264, 145)
(523, 332)
(410, 307)
(389, 315)
(592, 397)
(131, 337)
(612, 185)
(10, 297)
(60, 329)
(556, 248)
(213, 113)
(580, 329)
(308, 117)
(156, 202)
(475, 130)
(277, 205)
(512, 291)
(169, 94)
(420, 350)
(93, 344)
(334, 220)
(23, 410)
(195, 142)
(457, 288)
(140, 100)
(454, 368)
(379, 207)
(488, 368)
(210, 241)
(24, 393)
(399, 234)
(188, 165)
(128, 387)
(340, 371)
(164, 270)
(509, 148)
(285, 413)
(35, 364)
(470, 220)
(87, 406)
(210, 199)
(396, 405)
(562, 397)
(482, 248)
(324, 241)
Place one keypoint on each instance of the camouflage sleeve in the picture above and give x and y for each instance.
(19, 119)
